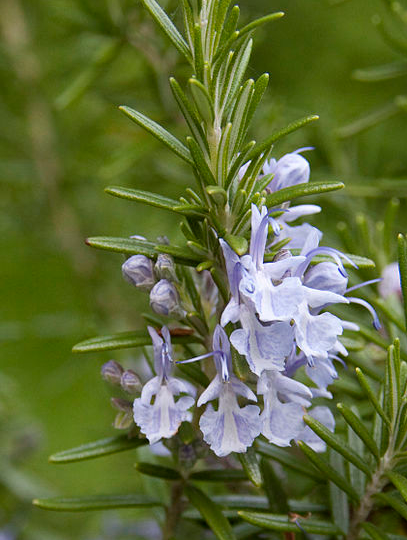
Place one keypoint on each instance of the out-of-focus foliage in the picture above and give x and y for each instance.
(65, 67)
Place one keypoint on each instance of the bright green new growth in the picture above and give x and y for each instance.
(370, 453)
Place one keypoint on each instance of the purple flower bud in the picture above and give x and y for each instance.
(290, 170)
(390, 283)
(164, 299)
(112, 372)
(130, 382)
(164, 267)
(121, 404)
(138, 270)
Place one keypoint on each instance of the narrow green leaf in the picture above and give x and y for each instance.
(164, 22)
(283, 523)
(154, 199)
(241, 61)
(328, 471)
(131, 246)
(211, 513)
(374, 532)
(219, 475)
(239, 244)
(242, 501)
(239, 116)
(392, 209)
(338, 498)
(381, 73)
(394, 502)
(400, 482)
(392, 385)
(159, 133)
(128, 246)
(359, 428)
(96, 502)
(268, 143)
(260, 87)
(228, 34)
(202, 100)
(188, 112)
(368, 121)
(158, 471)
(125, 340)
(333, 441)
(357, 477)
(251, 466)
(402, 259)
(276, 495)
(285, 458)
(200, 163)
(105, 54)
(301, 190)
(100, 448)
(259, 22)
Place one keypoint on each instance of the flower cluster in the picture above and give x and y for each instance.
(275, 319)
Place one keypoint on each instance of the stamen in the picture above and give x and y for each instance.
(324, 250)
(304, 149)
(376, 322)
(196, 358)
(364, 284)
(224, 366)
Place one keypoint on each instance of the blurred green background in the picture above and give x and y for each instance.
(65, 66)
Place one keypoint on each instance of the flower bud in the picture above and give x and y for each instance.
(164, 267)
(290, 170)
(121, 404)
(138, 270)
(164, 299)
(112, 372)
(130, 382)
(124, 418)
(390, 283)
(325, 276)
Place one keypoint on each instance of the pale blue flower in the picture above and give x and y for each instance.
(230, 428)
(264, 346)
(162, 417)
(290, 170)
(390, 284)
(284, 402)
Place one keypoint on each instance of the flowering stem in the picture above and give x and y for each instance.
(173, 511)
(376, 485)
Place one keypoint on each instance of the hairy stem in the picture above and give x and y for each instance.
(173, 511)
(376, 485)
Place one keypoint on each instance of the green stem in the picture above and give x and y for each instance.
(173, 511)
(376, 485)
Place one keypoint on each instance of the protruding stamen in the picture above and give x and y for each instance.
(364, 284)
(334, 253)
(370, 308)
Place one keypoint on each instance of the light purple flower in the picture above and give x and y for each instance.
(162, 417)
(390, 283)
(264, 346)
(230, 428)
(284, 402)
(290, 170)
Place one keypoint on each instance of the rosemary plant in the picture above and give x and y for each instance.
(244, 340)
